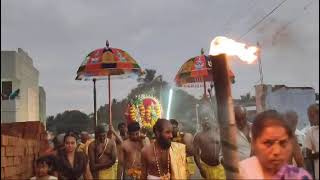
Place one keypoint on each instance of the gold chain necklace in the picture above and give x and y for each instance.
(164, 176)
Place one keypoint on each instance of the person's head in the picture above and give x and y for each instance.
(122, 128)
(84, 136)
(143, 130)
(292, 119)
(134, 131)
(271, 140)
(70, 142)
(205, 123)
(240, 115)
(101, 133)
(43, 166)
(313, 114)
(175, 127)
(163, 132)
(58, 141)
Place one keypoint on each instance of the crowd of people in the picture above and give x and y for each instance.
(267, 149)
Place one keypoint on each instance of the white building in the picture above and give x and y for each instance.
(283, 98)
(18, 73)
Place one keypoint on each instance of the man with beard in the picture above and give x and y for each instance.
(130, 153)
(102, 155)
(206, 152)
(186, 139)
(163, 159)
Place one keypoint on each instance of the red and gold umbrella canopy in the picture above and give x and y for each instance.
(103, 62)
(195, 72)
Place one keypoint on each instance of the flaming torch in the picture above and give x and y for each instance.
(220, 48)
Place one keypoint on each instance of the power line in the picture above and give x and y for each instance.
(254, 26)
(229, 20)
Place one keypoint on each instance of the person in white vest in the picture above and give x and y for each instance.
(243, 132)
(312, 138)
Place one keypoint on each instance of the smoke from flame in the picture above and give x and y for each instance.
(223, 45)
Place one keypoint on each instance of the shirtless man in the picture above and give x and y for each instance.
(186, 139)
(163, 159)
(130, 153)
(206, 152)
(102, 155)
(123, 131)
(85, 141)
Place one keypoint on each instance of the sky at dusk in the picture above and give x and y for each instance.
(160, 35)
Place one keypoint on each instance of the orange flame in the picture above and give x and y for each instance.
(223, 45)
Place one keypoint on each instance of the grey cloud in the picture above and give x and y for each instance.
(160, 35)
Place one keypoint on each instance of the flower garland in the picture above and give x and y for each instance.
(144, 109)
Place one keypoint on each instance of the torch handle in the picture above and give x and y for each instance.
(226, 119)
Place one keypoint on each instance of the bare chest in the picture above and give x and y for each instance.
(159, 163)
(103, 149)
(209, 139)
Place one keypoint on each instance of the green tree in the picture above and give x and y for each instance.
(70, 121)
(51, 124)
(148, 76)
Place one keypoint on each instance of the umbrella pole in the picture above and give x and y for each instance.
(226, 119)
(94, 105)
(110, 112)
(205, 88)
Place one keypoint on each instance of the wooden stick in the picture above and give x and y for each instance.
(226, 119)
(110, 112)
(94, 105)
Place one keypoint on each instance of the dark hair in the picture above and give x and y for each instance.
(70, 134)
(313, 107)
(121, 124)
(174, 122)
(50, 160)
(43, 160)
(133, 127)
(158, 126)
(101, 128)
(266, 119)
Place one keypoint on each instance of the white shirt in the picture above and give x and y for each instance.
(244, 146)
(49, 178)
(300, 137)
(251, 169)
(312, 142)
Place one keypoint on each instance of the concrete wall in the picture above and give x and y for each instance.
(42, 106)
(282, 99)
(18, 68)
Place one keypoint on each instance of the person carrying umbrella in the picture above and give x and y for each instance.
(102, 155)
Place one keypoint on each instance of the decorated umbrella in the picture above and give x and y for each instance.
(196, 72)
(106, 62)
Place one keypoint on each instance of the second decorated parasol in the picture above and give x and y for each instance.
(196, 71)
